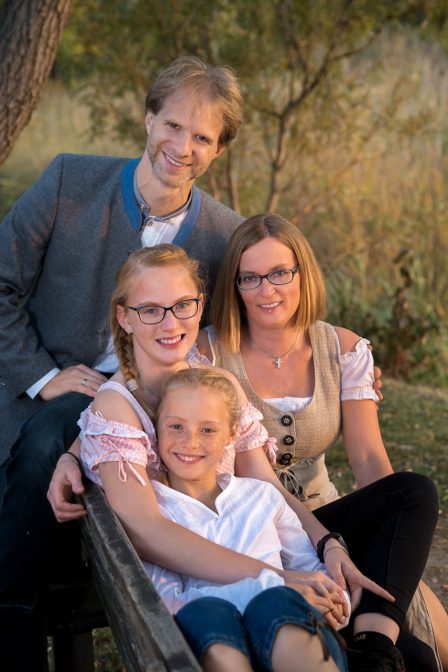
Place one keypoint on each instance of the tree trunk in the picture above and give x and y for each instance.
(30, 31)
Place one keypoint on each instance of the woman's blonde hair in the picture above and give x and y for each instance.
(228, 311)
(208, 379)
(138, 262)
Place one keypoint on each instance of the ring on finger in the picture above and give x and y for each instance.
(84, 382)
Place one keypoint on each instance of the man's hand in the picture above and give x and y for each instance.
(377, 383)
(79, 378)
(66, 480)
(345, 573)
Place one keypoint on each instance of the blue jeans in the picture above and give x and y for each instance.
(212, 620)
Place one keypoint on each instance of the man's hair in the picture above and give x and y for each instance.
(217, 83)
(228, 311)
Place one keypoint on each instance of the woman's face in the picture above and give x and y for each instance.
(270, 306)
(167, 342)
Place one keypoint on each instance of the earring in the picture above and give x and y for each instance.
(129, 331)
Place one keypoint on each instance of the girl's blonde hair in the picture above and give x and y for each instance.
(138, 262)
(207, 379)
(228, 311)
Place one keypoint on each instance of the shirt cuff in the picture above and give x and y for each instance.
(34, 390)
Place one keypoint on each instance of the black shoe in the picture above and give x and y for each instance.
(374, 660)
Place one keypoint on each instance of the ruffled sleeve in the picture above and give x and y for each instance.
(357, 373)
(252, 434)
(105, 440)
(195, 359)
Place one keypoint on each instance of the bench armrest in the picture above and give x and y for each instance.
(145, 632)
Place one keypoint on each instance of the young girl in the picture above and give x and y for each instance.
(262, 620)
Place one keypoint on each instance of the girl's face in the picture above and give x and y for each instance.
(167, 342)
(193, 429)
(270, 306)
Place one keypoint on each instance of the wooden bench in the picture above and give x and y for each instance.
(145, 633)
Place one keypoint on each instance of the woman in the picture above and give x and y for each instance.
(306, 377)
(155, 317)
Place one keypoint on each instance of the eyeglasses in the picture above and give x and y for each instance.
(282, 276)
(155, 314)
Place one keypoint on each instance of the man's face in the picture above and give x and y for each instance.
(183, 138)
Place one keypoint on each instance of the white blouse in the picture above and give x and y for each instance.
(252, 518)
(356, 376)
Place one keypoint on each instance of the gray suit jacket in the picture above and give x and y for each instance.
(60, 247)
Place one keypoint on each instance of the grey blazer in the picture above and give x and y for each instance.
(60, 247)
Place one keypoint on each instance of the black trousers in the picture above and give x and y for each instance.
(388, 527)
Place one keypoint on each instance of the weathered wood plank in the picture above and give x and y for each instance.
(145, 632)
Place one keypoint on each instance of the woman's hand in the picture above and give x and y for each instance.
(66, 480)
(322, 593)
(345, 573)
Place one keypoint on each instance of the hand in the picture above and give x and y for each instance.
(377, 383)
(77, 378)
(333, 598)
(345, 573)
(331, 611)
(66, 480)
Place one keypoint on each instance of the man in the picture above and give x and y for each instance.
(61, 245)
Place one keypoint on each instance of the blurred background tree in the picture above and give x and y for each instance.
(30, 31)
(345, 134)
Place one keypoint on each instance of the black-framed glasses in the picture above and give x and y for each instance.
(155, 314)
(281, 276)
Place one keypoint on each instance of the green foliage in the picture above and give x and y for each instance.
(413, 423)
(345, 134)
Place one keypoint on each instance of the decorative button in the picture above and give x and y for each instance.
(288, 440)
(286, 420)
(285, 459)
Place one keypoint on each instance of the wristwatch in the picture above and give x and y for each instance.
(320, 547)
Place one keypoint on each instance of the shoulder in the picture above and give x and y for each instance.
(114, 406)
(218, 209)
(87, 166)
(204, 345)
(347, 339)
(234, 380)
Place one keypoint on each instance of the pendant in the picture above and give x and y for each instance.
(277, 362)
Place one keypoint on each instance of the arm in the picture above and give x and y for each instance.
(341, 569)
(360, 428)
(25, 236)
(66, 480)
(363, 443)
(155, 538)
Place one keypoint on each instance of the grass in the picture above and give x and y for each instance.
(414, 421)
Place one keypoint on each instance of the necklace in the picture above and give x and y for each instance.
(277, 358)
